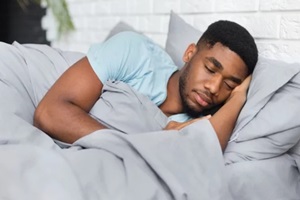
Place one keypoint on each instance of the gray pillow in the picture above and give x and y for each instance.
(180, 35)
(268, 125)
(119, 27)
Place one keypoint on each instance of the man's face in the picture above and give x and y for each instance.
(209, 76)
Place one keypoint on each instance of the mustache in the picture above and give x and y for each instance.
(207, 95)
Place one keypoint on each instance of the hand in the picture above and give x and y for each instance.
(225, 118)
(172, 125)
(241, 90)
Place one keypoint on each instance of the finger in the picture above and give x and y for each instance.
(248, 80)
(207, 117)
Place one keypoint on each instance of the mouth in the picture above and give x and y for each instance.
(202, 99)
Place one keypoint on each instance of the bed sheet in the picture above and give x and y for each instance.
(129, 161)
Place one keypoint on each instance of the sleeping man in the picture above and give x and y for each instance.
(216, 72)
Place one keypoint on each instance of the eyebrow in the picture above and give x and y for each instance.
(218, 65)
(215, 62)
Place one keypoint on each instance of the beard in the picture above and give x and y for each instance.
(187, 108)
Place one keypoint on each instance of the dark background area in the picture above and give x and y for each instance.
(24, 26)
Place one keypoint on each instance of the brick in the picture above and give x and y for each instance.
(102, 22)
(120, 7)
(75, 9)
(102, 7)
(79, 22)
(153, 23)
(261, 26)
(88, 8)
(287, 51)
(140, 6)
(236, 5)
(82, 9)
(76, 36)
(290, 27)
(201, 22)
(276, 28)
(166, 6)
(253, 24)
(267, 49)
(131, 20)
(91, 37)
(270, 5)
(196, 6)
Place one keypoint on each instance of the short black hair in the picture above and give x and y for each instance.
(235, 37)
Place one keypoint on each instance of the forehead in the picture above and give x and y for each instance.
(231, 63)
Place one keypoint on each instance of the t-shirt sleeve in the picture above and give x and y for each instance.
(119, 57)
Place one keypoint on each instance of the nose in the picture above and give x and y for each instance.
(213, 84)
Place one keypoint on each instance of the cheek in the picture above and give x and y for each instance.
(197, 74)
(223, 96)
(191, 77)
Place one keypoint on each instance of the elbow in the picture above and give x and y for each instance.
(223, 146)
(39, 117)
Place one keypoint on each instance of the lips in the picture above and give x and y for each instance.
(202, 99)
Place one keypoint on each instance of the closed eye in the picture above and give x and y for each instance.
(209, 70)
(229, 86)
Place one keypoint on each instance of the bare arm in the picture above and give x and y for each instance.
(63, 112)
(224, 120)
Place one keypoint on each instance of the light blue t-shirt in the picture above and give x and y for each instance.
(136, 60)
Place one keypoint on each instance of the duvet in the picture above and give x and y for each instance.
(139, 160)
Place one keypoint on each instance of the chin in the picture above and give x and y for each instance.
(212, 110)
(193, 111)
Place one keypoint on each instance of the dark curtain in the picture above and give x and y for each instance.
(22, 25)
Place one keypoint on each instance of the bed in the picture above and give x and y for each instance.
(140, 160)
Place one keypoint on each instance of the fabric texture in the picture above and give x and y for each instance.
(274, 83)
(106, 164)
(266, 138)
(268, 125)
(262, 160)
(118, 93)
(137, 61)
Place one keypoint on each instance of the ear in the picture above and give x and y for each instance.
(189, 52)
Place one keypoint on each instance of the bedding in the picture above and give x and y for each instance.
(139, 160)
(267, 130)
(106, 164)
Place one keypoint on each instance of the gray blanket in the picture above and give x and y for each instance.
(135, 158)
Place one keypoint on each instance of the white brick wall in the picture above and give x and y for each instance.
(275, 24)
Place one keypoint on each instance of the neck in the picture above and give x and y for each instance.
(172, 105)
